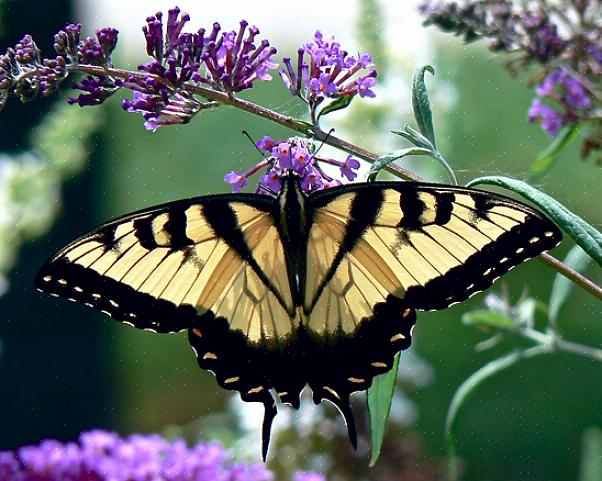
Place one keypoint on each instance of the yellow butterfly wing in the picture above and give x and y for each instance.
(378, 252)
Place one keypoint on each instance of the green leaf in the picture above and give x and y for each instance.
(578, 260)
(337, 104)
(584, 234)
(546, 158)
(487, 318)
(386, 159)
(469, 387)
(380, 396)
(591, 458)
(414, 136)
(422, 105)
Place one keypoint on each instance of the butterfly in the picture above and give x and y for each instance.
(319, 289)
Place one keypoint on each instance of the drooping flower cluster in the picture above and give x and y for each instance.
(104, 456)
(564, 37)
(568, 93)
(293, 155)
(226, 61)
(330, 73)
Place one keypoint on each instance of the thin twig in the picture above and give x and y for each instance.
(571, 274)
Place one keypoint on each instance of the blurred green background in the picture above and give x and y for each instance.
(64, 369)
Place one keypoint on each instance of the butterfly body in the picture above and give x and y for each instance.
(316, 289)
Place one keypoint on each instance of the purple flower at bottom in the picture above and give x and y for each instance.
(308, 476)
(237, 180)
(103, 456)
(551, 120)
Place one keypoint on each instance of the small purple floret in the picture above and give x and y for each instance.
(238, 180)
(551, 120)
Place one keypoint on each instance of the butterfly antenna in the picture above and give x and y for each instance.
(312, 156)
(248, 136)
(324, 141)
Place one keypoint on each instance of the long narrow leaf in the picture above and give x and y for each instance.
(380, 396)
(584, 234)
(386, 159)
(546, 158)
(422, 105)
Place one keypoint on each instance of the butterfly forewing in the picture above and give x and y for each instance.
(434, 245)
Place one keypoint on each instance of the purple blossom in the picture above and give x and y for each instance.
(551, 120)
(270, 182)
(568, 92)
(348, 167)
(266, 143)
(282, 152)
(364, 84)
(323, 87)
(543, 43)
(325, 70)
(97, 90)
(103, 456)
(238, 180)
(308, 476)
(312, 180)
(228, 61)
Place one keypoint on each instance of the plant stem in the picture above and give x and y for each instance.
(554, 342)
(571, 274)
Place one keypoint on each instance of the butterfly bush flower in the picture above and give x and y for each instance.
(226, 61)
(103, 456)
(325, 70)
(292, 155)
(563, 37)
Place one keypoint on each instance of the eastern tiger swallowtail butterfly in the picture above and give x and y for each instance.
(319, 289)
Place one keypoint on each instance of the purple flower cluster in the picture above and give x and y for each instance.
(507, 27)
(292, 155)
(563, 36)
(226, 61)
(104, 456)
(331, 72)
(569, 93)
